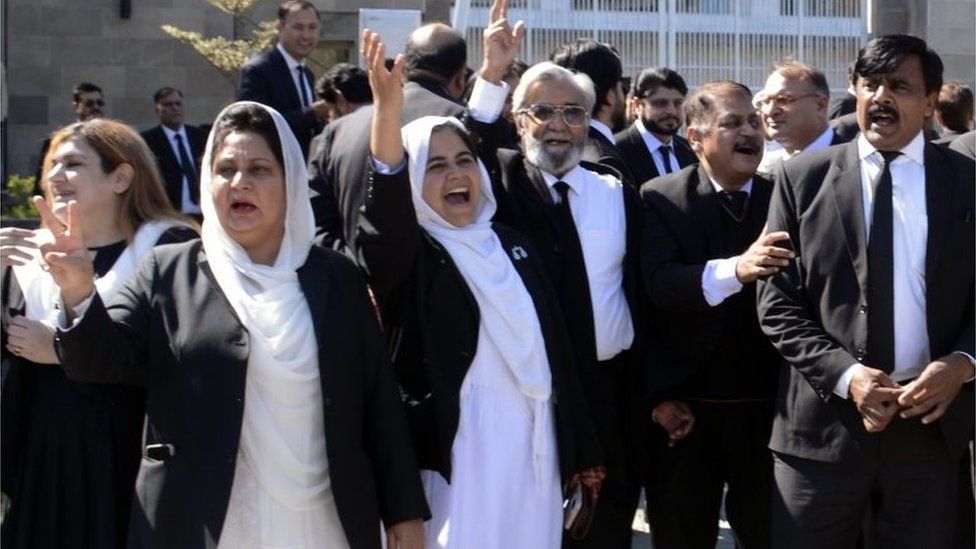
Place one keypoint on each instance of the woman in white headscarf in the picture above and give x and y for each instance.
(70, 450)
(272, 418)
(480, 350)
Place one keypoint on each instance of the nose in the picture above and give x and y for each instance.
(882, 94)
(56, 173)
(240, 180)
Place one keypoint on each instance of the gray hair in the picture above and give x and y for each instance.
(549, 71)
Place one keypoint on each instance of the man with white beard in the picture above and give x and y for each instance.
(584, 224)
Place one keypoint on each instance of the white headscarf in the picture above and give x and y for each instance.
(282, 433)
(509, 320)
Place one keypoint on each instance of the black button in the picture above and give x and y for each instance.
(862, 309)
(861, 353)
(238, 400)
(326, 401)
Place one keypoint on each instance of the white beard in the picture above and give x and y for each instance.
(551, 163)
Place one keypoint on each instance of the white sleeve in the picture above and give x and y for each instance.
(844, 383)
(719, 280)
(487, 100)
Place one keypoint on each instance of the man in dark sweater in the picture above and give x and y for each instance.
(711, 376)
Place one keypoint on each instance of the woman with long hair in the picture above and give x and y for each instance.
(70, 449)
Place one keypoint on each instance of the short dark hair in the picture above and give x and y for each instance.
(883, 55)
(440, 58)
(292, 6)
(798, 70)
(470, 139)
(650, 79)
(347, 78)
(163, 92)
(248, 117)
(595, 59)
(702, 101)
(83, 87)
(955, 106)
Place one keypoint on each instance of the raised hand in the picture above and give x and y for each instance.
(14, 244)
(500, 42)
(385, 143)
(66, 257)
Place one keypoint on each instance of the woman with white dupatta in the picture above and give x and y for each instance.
(272, 418)
(70, 450)
(479, 341)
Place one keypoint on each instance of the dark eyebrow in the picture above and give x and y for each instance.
(435, 159)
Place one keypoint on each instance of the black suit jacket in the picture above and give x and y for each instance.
(169, 164)
(632, 148)
(682, 231)
(433, 320)
(337, 170)
(845, 104)
(267, 80)
(600, 150)
(172, 331)
(812, 311)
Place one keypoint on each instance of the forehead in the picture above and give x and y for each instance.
(90, 95)
(554, 92)
(76, 146)
(731, 105)
(779, 83)
(171, 96)
(304, 16)
(665, 93)
(909, 69)
(244, 145)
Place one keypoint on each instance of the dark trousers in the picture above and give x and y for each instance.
(727, 447)
(905, 480)
(613, 518)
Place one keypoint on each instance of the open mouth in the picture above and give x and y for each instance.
(882, 118)
(458, 197)
(242, 207)
(750, 149)
(557, 142)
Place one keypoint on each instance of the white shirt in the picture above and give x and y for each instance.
(910, 227)
(603, 129)
(772, 157)
(718, 279)
(597, 204)
(186, 205)
(653, 144)
(295, 78)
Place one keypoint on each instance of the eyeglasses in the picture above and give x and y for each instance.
(543, 113)
(781, 101)
(93, 103)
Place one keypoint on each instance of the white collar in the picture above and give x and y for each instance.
(915, 149)
(718, 188)
(573, 178)
(603, 129)
(291, 61)
(171, 133)
(653, 143)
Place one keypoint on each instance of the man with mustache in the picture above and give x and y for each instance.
(711, 377)
(584, 224)
(652, 146)
(874, 319)
(602, 64)
(793, 105)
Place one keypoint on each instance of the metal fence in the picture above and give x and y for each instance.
(701, 39)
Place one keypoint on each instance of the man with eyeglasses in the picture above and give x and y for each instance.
(584, 224)
(651, 146)
(87, 103)
(178, 149)
(712, 373)
(602, 64)
(793, 105)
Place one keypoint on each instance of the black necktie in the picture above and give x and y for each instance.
(665, 151)
(735, 203)
(574, 283)
(881, 273)
(186, 166)
(302, 80)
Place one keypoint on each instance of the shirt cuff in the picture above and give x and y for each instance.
(719, 280)
(844, 383)
(971, 361)
(487, 100)
(79, 310)
(381, 168)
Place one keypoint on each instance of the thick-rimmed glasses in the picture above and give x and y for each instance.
(543, 113)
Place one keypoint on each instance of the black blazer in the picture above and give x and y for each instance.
(631, 145)
(812, 311)
(172, 330)
(266, 79)
(682, 231)
(338, 168)
(433, 320)
(845, 104)
(600, 150)
(169, 164)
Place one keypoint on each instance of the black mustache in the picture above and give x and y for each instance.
(755, 146)
(877, 109)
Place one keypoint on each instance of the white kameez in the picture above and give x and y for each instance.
(498, 499)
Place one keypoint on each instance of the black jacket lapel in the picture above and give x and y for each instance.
(845, 179)
(939, 190)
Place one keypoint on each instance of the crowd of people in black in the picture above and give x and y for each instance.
(416, 305)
